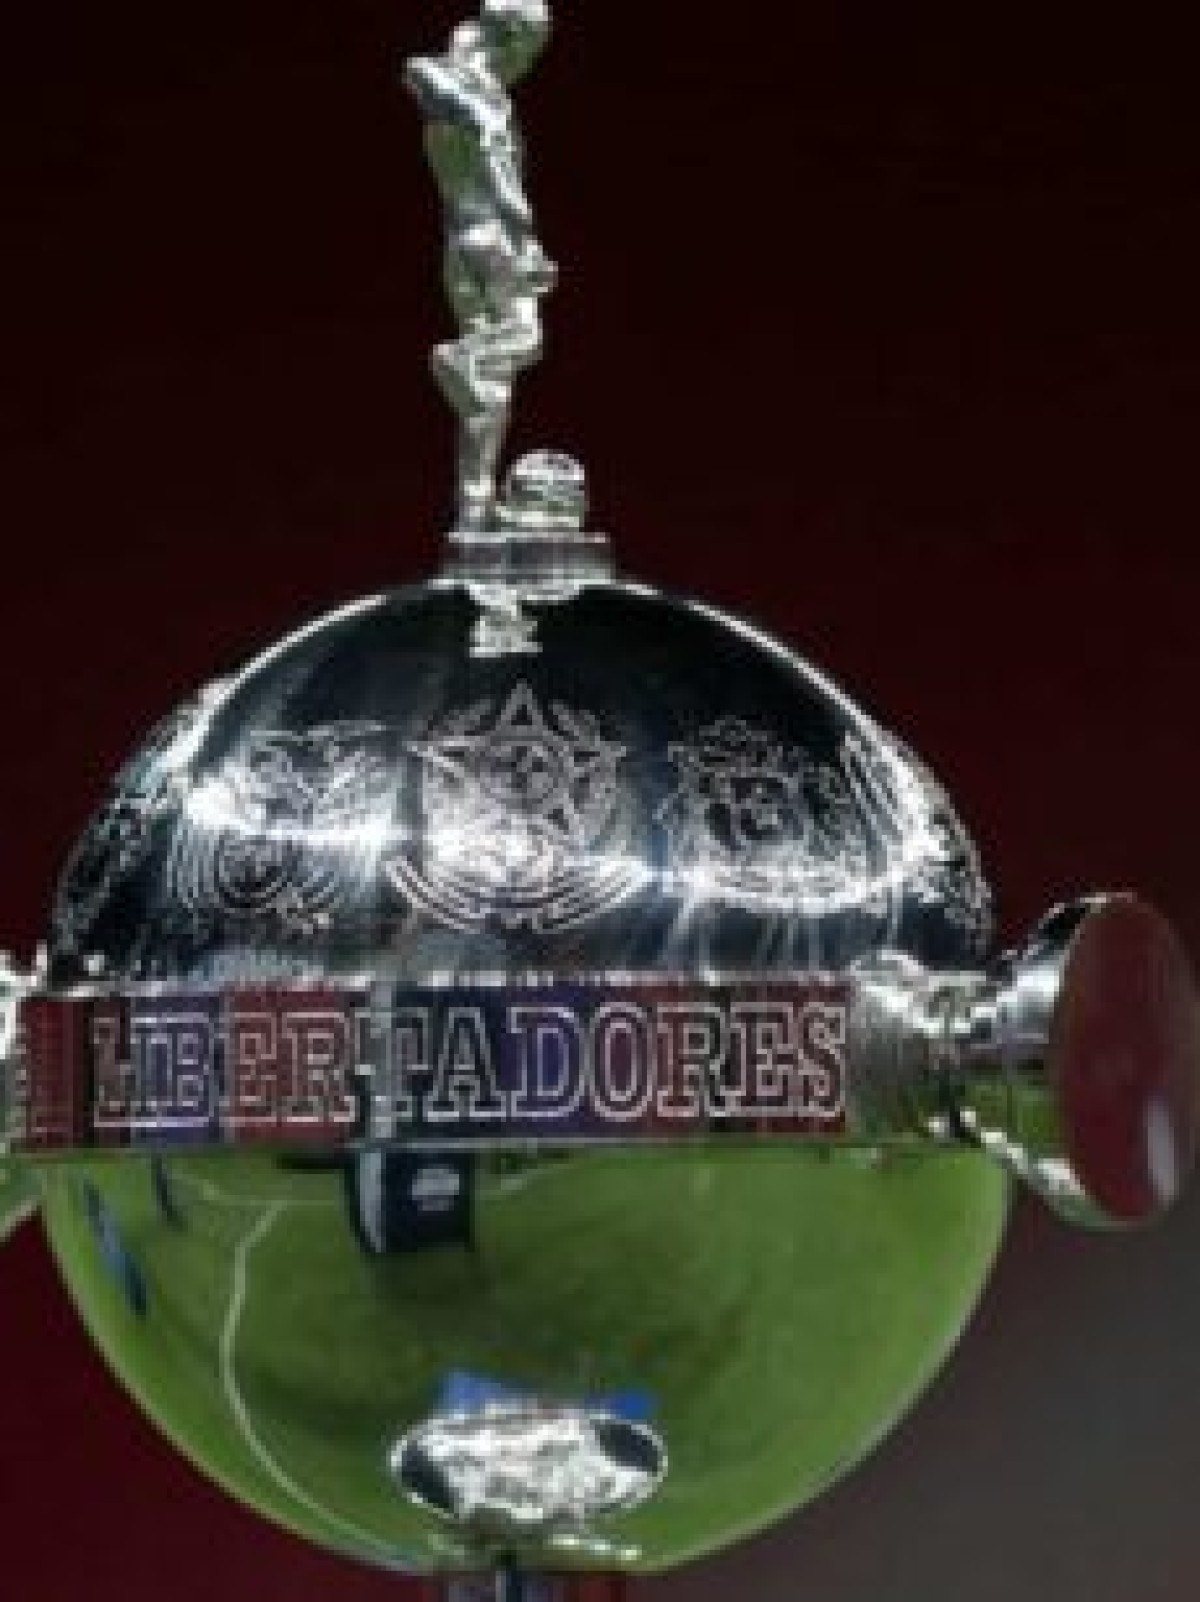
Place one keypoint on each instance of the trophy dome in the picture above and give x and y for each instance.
(636, 783)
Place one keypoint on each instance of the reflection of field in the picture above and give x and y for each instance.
(779, 1310)
(16, 1197)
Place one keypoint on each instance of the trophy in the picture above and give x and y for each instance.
(520, 1083)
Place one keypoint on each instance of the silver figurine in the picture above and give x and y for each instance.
(496, 270)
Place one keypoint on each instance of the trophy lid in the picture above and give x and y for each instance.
(641, 784)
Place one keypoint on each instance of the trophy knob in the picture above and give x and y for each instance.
(1078, 1061)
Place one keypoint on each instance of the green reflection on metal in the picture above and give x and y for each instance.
(783, 1311)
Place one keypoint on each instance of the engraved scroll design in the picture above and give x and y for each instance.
(512, 814)
(118, 837)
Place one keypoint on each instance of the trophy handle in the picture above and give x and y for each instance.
(1095, 1029)
(1073, 1061)
(18, 1191)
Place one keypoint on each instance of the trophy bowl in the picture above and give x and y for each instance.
(763, 1312)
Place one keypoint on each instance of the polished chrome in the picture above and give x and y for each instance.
(544, 493)
(1078, 1061)
(511, 1471)
(292, 1303)
(515, 795)
(658, 789)
(1074, 1061)
(496, 269)
(655, 790)
(538, 548)
(510, 1585)
(17, 1189)
(528, 542)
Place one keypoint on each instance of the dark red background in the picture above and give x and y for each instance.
(879, 328)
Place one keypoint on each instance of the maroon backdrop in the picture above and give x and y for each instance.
(881, 330)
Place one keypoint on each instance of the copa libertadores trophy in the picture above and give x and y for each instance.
(519, 1082)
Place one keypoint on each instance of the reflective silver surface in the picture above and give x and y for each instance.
(510, 1469)
(771, 1311)
(372, 802)
(496, 270)
(655, 790)
(1074, 1061)
(1079, 1061)
(371, 798)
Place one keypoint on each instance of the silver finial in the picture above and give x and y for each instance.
(544, 493)
(496, 270)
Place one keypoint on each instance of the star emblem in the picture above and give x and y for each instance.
(521, 815)
(522, 771)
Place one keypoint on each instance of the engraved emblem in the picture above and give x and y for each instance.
(118, 836)
(754, 823)
(523, 819)
(289, 830)
(943, 869)
(759, 825)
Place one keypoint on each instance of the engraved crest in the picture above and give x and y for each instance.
(289, 830)
(760, 825)
(752, 821)
(522, 818)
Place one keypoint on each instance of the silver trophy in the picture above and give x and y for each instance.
(486, 1041)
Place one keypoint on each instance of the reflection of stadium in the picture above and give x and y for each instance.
(294, 1392)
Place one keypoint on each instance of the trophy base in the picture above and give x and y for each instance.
(509, 1586)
